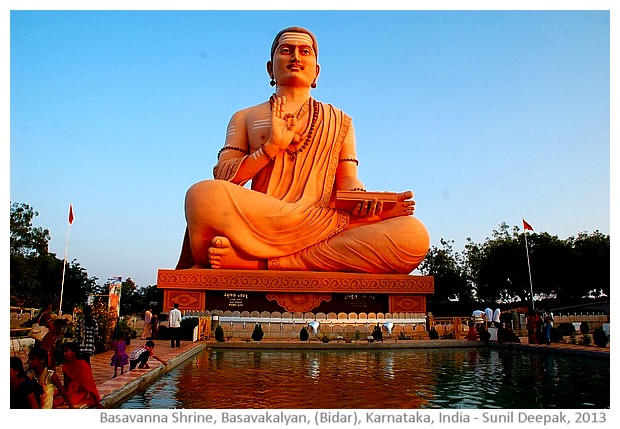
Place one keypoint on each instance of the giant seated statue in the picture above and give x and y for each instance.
(296, 153)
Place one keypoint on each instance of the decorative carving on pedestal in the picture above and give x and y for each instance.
(407, 304)
(302, 302)
(294, 281)
(187, 300)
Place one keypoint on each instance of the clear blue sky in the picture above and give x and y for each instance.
(488, 116)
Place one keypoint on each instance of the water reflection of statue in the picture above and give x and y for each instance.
(296, 152)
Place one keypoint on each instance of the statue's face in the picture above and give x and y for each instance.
(294, 60)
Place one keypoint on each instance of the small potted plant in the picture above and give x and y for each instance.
(303, 334)
(219, 334)
(257, 334)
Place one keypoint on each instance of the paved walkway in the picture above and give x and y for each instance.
(115, 390)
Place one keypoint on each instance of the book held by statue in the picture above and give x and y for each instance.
(347, 200)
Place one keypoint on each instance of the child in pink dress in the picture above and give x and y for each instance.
(119, 358)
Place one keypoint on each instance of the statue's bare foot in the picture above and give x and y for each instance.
(404, 206)
(223, 255)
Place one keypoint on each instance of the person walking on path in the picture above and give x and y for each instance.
(548, 324)
(87, 332)
(154, 324)
(146, 331)
(175, 326)
(140, 356)
(119, 358)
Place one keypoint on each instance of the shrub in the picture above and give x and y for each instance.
(163, 332)
(303, 334)
(556, 335)
(433, 334)
(566, 328)
(584, 328)
(586, 340)
(376, 333)
(485, 335)
(219, 334)
(448, 335)
(187, 327)
(257, 334)
(122, 328)
(600, 338)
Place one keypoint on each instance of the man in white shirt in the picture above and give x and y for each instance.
(488, 314)
(496, 317)
(174, 323)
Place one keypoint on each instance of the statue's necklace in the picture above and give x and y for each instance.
(297, 137)
(300, 113)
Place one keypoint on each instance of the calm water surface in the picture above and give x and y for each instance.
(414, 378)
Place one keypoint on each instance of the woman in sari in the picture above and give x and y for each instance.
(78, 379)
(47, 378)
(49, 341)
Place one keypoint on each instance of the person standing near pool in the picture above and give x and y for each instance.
(174, 323)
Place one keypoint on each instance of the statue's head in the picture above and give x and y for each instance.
(289, 40)
(300, 30)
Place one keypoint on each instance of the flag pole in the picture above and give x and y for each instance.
(526, 226)
(64, 261)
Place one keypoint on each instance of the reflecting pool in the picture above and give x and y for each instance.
(384, 378)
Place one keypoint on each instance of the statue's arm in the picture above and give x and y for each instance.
(237, 161)
(346, 174)
(347, 180)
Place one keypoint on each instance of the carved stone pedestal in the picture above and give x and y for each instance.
(293, 291)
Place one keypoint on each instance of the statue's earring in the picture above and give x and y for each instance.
(313, 84)
(272, 82)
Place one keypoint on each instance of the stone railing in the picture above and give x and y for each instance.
(285, 325)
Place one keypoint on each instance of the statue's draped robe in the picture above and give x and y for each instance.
(286, 217)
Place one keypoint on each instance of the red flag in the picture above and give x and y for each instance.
(71, 214)
(527, 225)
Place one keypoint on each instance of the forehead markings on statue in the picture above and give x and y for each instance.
(295, 39)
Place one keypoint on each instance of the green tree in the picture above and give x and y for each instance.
(449, 272)
(592, 256)
(498, 267)
(131, 301)
(26, 239)
(136, 299)
(36, 274)
(567, 269)
(152, 296)
(28, 256)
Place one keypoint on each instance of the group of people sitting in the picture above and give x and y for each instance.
(39, 386)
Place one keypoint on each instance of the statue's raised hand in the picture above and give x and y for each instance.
(283, 125)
